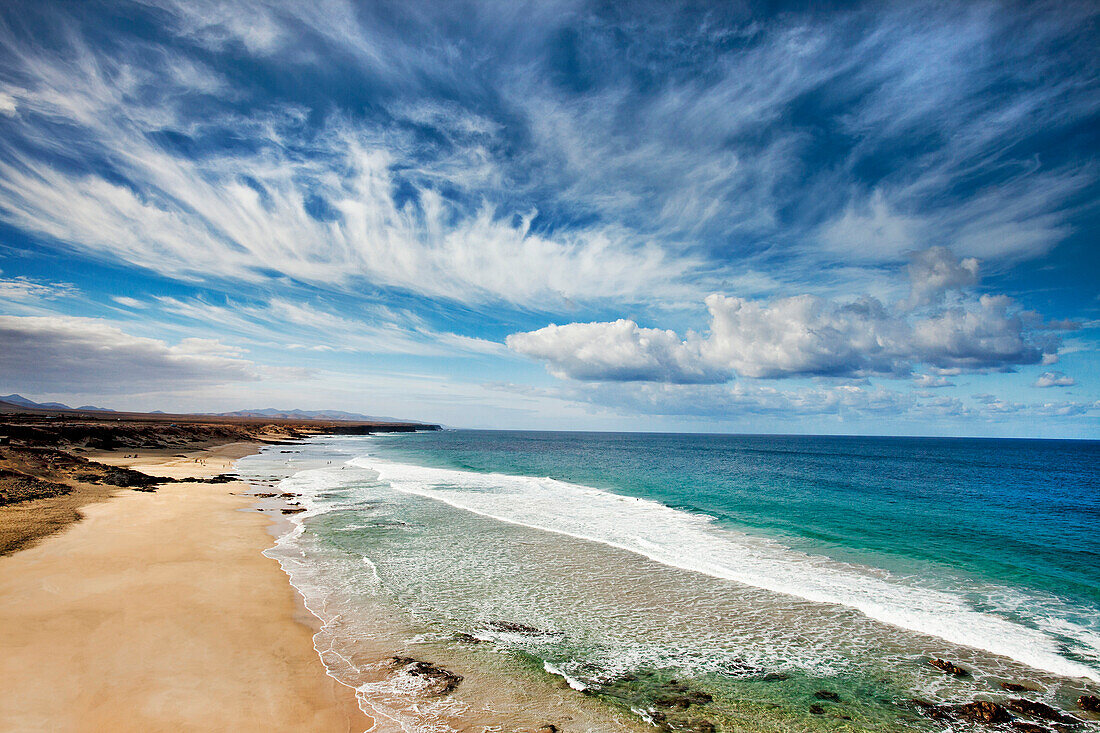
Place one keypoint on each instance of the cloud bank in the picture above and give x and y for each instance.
(65, 354)
(809, 336)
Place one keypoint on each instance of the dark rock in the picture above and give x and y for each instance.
(547, 728)
(1039, 710)
(1089, 702)
(701, 726)
(827, 695)
(515, 628)
(816, 709)
(949, 668)
(16, 486)
(439, 681)
(776, 677)
(1017, 687)
(293, 509)
(264, 495)
(983, 711)
(468, 638)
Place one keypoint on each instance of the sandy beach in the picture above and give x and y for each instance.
(158, 612)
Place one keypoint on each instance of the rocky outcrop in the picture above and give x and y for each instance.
(1040, 710)
(1090, 703)
(512, 627)
(437, 681)
(983, 711)
(979, 711)
(951, 669)
(16, 487)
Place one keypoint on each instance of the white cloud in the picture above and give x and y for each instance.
(194, 218)
(65, 354)
(1054, 379)
(8, 105)
(292, 323)
(806, 335)
(928, 381)
(935, 271)
(872, 231)
(620, 351)
(24, 289)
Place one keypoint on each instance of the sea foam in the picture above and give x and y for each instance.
(694, 542)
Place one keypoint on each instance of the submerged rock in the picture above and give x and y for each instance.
(775, 677)
(468, 638)
(512, 627)
(438, 681)
(1017, 687)
(934, 711)
(675, 694)
(1040, 710)
(1025, 727)
(827, 695)
(816, 709)
(1089, 702)
(951, 669)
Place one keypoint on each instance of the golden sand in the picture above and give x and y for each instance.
(157, 612)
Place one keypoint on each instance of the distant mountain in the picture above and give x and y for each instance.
(15, 399)
(308, 415)
(21, 401)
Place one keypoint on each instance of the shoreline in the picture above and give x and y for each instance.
(158, 611)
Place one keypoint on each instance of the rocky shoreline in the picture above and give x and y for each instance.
(48, 468)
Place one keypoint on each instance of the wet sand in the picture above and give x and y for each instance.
(157, 612)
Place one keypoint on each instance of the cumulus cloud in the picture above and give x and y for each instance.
(1054, 379)
(935, 271)
(620, 351)
(929, 381)
(64, 354)
(805, 335)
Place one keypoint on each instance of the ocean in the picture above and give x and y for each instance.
(613, 581)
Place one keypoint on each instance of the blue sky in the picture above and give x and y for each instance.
(752, 217)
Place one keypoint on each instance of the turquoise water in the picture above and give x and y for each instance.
(756, 570)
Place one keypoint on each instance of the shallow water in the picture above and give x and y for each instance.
(653, 571)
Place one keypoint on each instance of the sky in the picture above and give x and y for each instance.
(873, 218)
